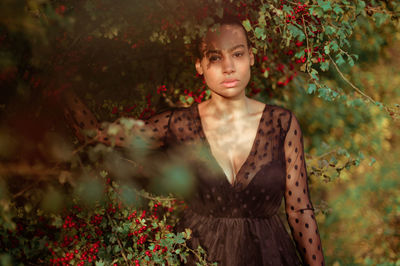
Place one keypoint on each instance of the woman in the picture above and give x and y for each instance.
(259, 151)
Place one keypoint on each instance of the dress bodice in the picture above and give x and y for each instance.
(274, 170)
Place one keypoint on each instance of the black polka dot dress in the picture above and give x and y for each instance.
(238, 224)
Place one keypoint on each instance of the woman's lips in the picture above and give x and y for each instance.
(229, 83)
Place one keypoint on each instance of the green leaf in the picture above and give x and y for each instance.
(299, 54)
(330, 30)
(314, 73)
(339, 60)
(327, 49)
(296, 32)
(325, 5)
(350, 60)
(259, 33)
(360, 6)
(379, 104)
(324, 66)
(317, 11)
(247, 25)
(334, 46)
(311, 88)
(287, 9)
(326, 93)
(372, 161)
(342, 151)
(338, 10)
(188, 233)
(190, 100)
(380, 18)
(261, 19)
(103, 173)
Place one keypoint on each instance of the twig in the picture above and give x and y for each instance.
(119, 241)
(349, 82)
(195, 253)
(308, 45)
(314, 158)
(147, 196)
(388, 109)
(22, 191)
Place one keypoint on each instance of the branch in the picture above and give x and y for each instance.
(349, 82)
(308, 45)
(195, 253)
(118, 240)
(393, 112)
(314, 158)
(147, 196)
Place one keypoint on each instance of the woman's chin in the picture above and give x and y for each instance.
(233, 92)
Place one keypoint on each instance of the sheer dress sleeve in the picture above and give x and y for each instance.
(299, 209)
(121, 132)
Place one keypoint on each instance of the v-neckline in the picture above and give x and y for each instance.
(204, 138)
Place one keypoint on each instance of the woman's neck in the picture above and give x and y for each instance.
(228, 108)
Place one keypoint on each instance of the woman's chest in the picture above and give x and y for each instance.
(231, 143)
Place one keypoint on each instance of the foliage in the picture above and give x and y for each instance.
(361, 226)
(107, 231)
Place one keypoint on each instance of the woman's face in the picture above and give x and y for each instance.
(226, 61)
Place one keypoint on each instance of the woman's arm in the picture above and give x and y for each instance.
(299, 209)
(79, 117)
(121, 132)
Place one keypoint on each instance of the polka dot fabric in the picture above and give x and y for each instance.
(238, 224)
(299, 210)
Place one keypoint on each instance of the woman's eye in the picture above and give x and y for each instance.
(214, 58)
(238, 54)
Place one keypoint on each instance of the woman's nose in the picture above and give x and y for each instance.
(228, 66)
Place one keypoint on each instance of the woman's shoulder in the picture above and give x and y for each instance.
(278, 110)
(282, 115)
(168, 113)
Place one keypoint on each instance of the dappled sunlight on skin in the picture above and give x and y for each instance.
(230, 34)
(226, 61)
(231, 141)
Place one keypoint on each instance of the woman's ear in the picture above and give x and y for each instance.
(199, 69)
(251, 56)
